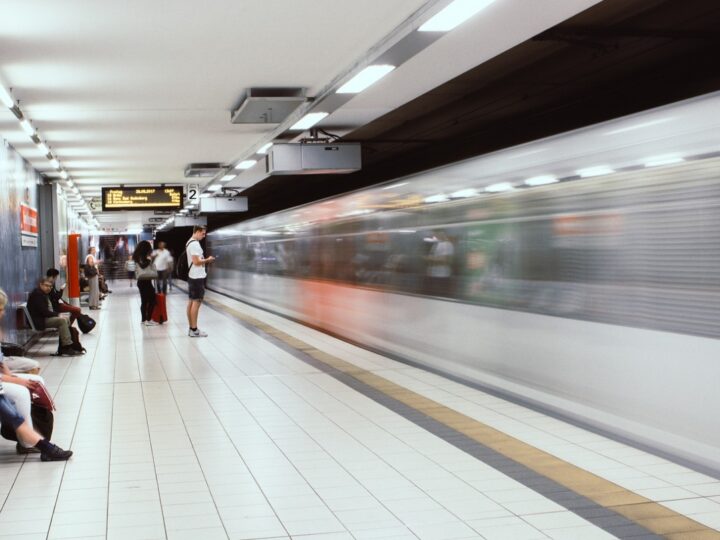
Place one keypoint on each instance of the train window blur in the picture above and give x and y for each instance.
(638, 248)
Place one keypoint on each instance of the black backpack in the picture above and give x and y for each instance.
(182, 268)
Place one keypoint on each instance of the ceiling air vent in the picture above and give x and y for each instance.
(203, 170)
(268, 105)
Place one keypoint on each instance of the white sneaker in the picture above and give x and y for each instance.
(197, 333)
(151, 323)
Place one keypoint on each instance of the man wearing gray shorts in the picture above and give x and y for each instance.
(196, 279)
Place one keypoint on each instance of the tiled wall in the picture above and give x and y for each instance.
(19, 266)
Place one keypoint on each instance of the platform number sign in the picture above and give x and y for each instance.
(193, 193)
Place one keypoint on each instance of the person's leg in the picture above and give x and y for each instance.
(22, 364)
(63, 329)
(188, 312)
(143, 299)
(20, 397)
(94, 299)
(163, 281)
(194, 309)
(151, 300)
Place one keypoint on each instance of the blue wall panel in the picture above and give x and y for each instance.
(19, 266)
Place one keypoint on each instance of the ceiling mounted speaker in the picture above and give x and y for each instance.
(268, 105)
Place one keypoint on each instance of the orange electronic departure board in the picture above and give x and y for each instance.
(142, 198)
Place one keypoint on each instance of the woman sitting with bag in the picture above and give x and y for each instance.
(145, 273)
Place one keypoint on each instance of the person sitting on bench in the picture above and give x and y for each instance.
(41, 310)
(59, 305)
(10, 416)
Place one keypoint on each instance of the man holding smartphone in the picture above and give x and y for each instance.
(196, 278)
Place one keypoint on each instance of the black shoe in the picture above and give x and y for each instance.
(68, 350)
(55, 453)
(20, 449)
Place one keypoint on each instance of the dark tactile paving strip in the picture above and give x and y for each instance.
(608, 506)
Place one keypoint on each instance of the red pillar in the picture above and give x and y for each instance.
(73, 269)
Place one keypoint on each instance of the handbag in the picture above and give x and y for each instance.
(149, 272)
(90, 271)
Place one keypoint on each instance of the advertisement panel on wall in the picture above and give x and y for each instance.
(28, 226)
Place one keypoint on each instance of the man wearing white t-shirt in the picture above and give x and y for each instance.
(162, 265)
(196, 279)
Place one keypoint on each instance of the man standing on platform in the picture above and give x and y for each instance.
(196, 278)
(162, 262)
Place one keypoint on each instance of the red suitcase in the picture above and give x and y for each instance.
(159, 314)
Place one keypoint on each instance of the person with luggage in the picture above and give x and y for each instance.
(145, 273)
(9, 416)
(43, 316)
(196, 278)
(163, 265)
(59, 305)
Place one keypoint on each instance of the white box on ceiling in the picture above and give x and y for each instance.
(209, 205)
(314, 158)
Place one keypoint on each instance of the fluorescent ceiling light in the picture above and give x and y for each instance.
(63, 175)
(205, 195)
(27, 127)
(245, 164)
(70, 183)
(541, 180)
(54, 163)
(367, 77)
(214, 187)
(228, 177)
(6, 98)
(44, 148)
(663, 160)
(457, 12)
(639, 126)
(464, 193)
(395, 185)
(500, 187)
(308, 121)
(264, 148)
(599, 170)
(441, 197)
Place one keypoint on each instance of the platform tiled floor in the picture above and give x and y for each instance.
(234, 437)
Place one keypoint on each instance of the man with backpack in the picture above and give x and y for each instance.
(196, 278)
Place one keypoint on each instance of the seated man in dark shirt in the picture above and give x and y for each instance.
(59, 305)
(43, 316)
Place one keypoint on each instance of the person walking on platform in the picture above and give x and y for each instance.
(145, 272)
(92, 275)
(196, 278)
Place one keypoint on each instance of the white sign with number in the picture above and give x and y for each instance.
(193, 193)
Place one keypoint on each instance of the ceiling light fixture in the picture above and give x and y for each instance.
(27, 127)
(499, 187)
(395, 185)
(6, 98)
(464, 194)
(245, 164)
(308, 121)
(63, 175)
(367, 77)
(598, 170)
(541, 180)
(214, 187)
(228, 177)
(663, 160)
(441, 197)
(264, 148)
(456, 13)
(43, 148)
(55, 163)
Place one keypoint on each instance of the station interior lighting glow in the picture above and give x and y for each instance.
(308, 121)
(214, 187)
(598, 170)
(27, 127)
(264, 148)
(663, 160)
(227, 177)
(6, 98)
(245, 164)
(464, 193)
(541, 180)
(453, 15)
(499, 187)
(367, 77)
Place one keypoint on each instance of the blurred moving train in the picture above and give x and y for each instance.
(579, 273)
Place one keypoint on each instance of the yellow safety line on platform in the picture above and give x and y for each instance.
(645, 512)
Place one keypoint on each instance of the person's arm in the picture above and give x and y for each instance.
(10, 378)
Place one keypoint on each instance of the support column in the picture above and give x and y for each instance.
(73, 269)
